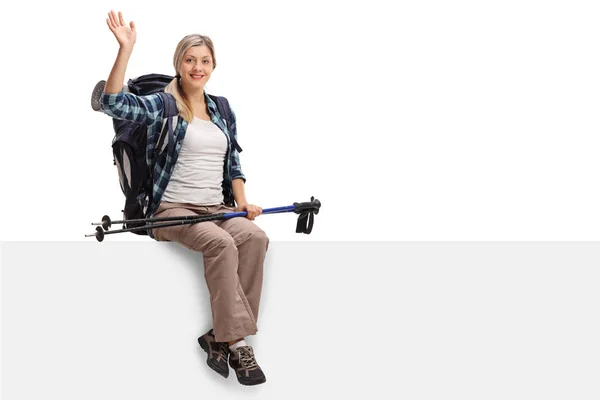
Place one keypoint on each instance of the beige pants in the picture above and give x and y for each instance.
(234, 251)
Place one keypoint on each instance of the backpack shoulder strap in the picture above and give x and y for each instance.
(170, 114)
(225, 111)
(170, 105)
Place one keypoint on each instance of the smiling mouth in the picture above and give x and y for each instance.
(197, 76)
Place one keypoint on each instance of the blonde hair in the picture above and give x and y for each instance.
(183, 104)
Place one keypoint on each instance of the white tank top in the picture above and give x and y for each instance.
(198, 173)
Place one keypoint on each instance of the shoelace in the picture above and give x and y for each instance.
(246, 355)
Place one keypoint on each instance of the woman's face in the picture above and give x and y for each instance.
(196, 67)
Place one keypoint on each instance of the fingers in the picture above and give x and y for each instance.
(113, 19)
(253, 212)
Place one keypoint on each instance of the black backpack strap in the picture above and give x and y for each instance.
(170, 105)
(170, 114)
(225, 111)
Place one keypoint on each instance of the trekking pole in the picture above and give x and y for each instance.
(305, 219)
(107, 223)
(199, 218)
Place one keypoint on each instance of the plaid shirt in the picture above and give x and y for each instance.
(148, 110)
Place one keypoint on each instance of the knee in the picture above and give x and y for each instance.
(221, 243)
(210, 245)
(259, 238)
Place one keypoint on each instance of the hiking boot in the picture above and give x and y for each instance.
(247, 370)
(217, 352)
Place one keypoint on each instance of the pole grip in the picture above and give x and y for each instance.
(311, 206)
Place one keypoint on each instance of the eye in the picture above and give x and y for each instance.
(206, 61)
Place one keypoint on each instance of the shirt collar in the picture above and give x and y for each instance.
(211, 104)
(215, 115)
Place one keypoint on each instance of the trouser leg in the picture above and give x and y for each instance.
(232, 314)
(252, 244)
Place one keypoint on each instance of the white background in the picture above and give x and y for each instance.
(410, 121)
(426, 120)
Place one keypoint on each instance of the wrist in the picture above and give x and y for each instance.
(125, 49)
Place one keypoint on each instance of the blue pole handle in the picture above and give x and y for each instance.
(273, 210)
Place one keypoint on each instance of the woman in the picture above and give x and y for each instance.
(203, 176)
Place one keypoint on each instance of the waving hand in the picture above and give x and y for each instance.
(125, 35)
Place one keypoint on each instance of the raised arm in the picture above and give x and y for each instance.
(114, 102)
(126, 37)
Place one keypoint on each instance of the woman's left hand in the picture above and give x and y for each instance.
(252, 210)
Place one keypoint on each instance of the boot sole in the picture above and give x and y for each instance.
(252, 383)
(204, 346)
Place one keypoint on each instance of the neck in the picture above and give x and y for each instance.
(196, 96)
